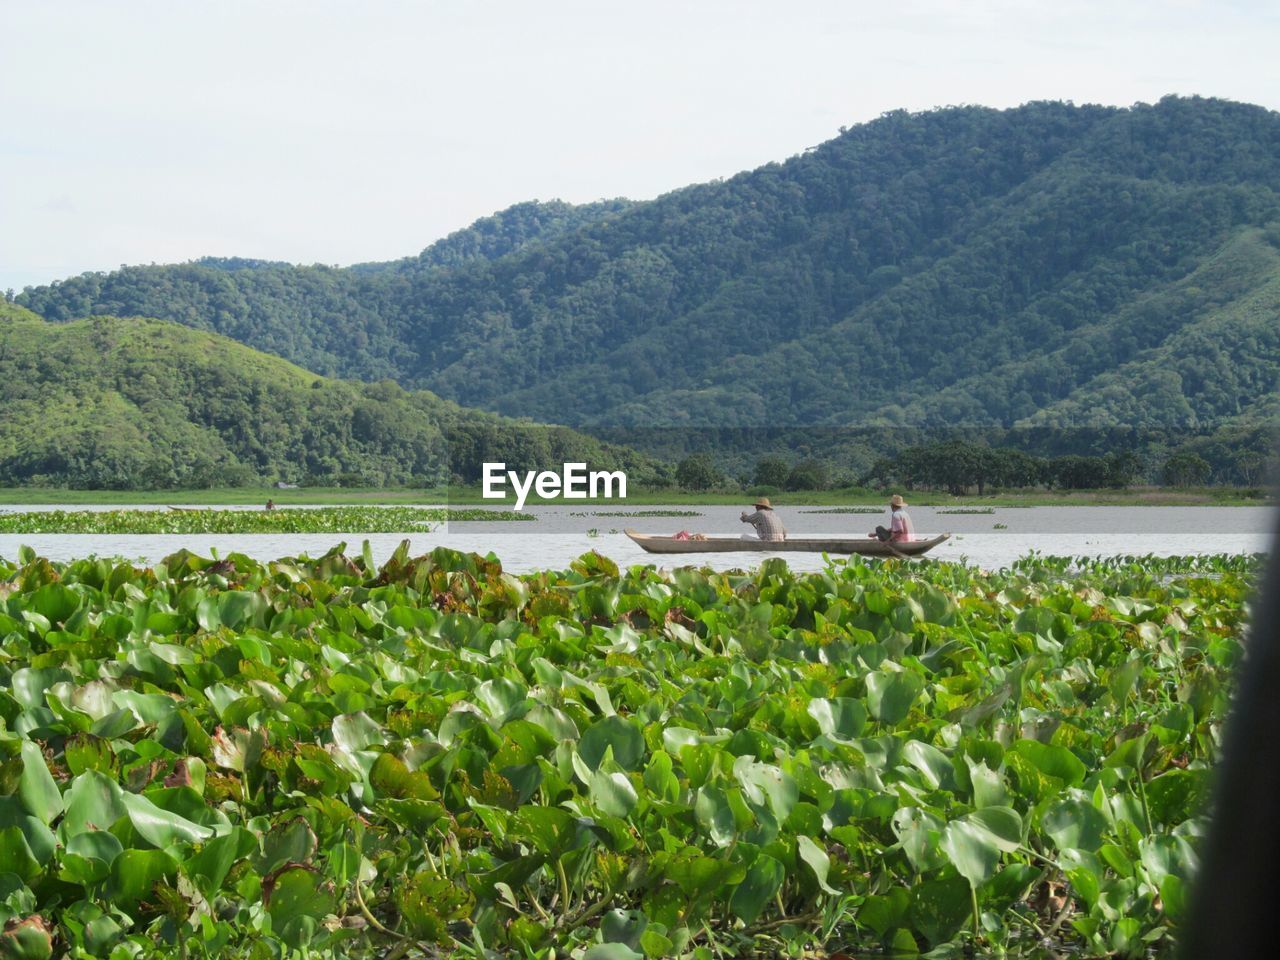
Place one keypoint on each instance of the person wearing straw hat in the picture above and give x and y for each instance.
(900, 528)
(766, 522)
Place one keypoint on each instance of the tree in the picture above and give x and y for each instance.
(1075, 472)
(698, 472)
(1015, 468)
(1186, 469)
(771, 472)
(956, 464)
(809, 475)
(1123, 468)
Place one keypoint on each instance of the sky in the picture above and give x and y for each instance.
(339, 132)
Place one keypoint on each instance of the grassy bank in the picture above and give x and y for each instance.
(1137, 496)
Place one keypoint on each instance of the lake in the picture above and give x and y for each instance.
(562, 533)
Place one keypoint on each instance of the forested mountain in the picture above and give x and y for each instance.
(332, 321)
(504, 232)
(1050, 264)
(149, 404)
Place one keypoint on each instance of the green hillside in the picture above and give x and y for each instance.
(1047, 265)
(145, 404)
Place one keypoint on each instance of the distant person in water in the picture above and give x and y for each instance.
(271, 504)
(766, 522)
(900, 528)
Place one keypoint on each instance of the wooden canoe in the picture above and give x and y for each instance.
(865, 546)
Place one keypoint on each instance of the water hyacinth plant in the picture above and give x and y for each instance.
(185, 521)
(318, 757)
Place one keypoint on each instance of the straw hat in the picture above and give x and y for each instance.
(764, 502)
(897, 501)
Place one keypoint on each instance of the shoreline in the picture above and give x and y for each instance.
(471, 496)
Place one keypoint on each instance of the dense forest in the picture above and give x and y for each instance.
(148, 404)
(1051, 265)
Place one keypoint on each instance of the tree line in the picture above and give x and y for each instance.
(960, 467)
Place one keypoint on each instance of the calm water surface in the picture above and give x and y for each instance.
(562, 533)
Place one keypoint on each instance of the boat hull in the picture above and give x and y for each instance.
(862, 546)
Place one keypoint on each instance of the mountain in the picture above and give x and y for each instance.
(502, 233)
(1049, 265)
(149, 404)
(330, 320)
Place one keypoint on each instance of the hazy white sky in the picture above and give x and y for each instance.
(337, 131)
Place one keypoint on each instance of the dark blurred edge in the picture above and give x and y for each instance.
(1234, 910)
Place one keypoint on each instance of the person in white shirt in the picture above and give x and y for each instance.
(900, 528)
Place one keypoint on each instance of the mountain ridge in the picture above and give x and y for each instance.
(950, 267)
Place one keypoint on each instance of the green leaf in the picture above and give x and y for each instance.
(891, 693)
(1053, 760)
(297, 892)
(763, 880)
(884, 913)
(428, 903)
(501, 696)
(1173, 893)
(621, 734)
(1002, 824)
(149, 708)
(159, 827)
(939, 908)
(555, 721)
(840, 719)
(84, 752)
(28, 684)
(16, 856)
(357, 731)
(238, 609)
(1074, 824)
(55, 602)
(553, 830)
(1164, 856)
(94, 802)
(659, 779)
(919, 832)
(815, 857)
(932, 762)
(39, 792)
(209, 865)
(415, 816)
(971, 851)
(611, 951)
(95, 845)
(764, 783)
(987, 785)
(134, 873)
(1009, 885)
(715, 815)
(656, 945)
(613, 792)
(700, 876)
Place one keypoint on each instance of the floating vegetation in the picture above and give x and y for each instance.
(966, 510)
(637, 513)
(320, 757)
(1000, 526)
(848, 510)
(336, 520)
